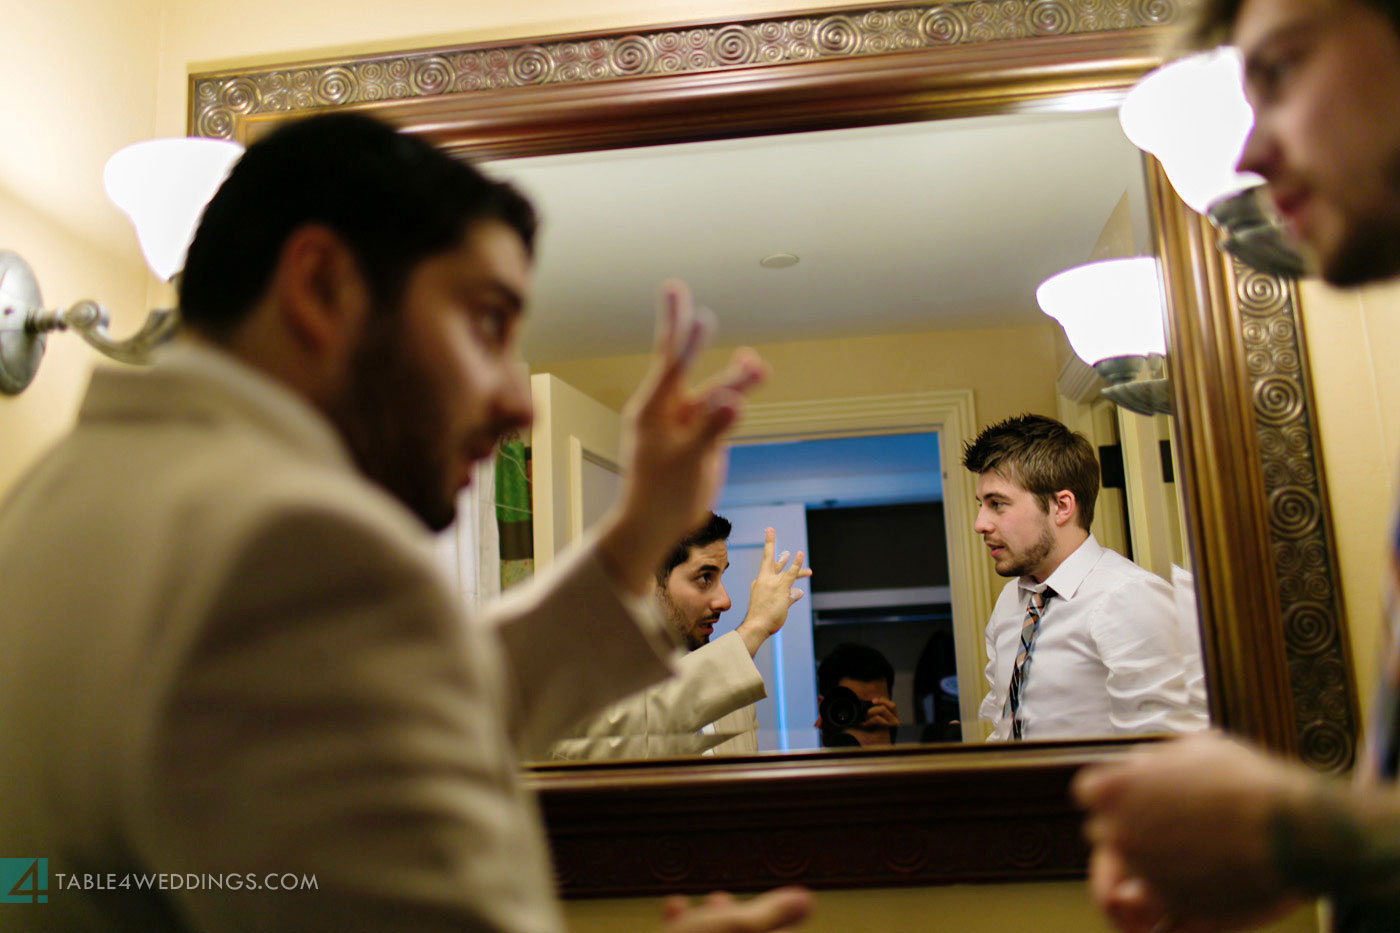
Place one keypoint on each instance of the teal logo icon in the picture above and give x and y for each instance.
(24, 881)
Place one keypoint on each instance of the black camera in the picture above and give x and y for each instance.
(842, 709)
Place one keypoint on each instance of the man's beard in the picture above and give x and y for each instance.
(1370, 252)
(683, 627)
(1370, 248)
(393, 423)
(1033, 557)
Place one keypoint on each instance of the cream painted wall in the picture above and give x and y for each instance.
(1351, 338)
(1011, 369)
(81, 78)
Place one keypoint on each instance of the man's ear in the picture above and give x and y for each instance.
(1063, 507)
(319, 291)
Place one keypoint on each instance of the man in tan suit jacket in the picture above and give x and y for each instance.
(235, 694)
(707, 707)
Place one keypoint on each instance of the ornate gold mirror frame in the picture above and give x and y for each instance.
(1275, 643)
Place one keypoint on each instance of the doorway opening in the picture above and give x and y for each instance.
(868, 511)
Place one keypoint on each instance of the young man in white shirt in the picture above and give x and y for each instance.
(1082, 642)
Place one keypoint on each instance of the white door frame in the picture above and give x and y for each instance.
(569, 429)
(950, 413)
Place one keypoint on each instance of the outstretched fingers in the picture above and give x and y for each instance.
(674, 309)
(674, 907)
(776, 910)
(682, 330)
(681, 333)
(1099, 787)
(744, 373)
(768, 913)
(794, 571)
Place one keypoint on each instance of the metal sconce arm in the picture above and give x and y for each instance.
(25, 324)
(90, 320)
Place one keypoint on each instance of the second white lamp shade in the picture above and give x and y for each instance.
(1109, 308)
(163, 185)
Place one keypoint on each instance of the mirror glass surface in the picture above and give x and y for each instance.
(918, 250)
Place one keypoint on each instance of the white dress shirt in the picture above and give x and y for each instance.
(1107, 658)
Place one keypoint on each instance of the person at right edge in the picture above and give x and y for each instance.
(1206, 833)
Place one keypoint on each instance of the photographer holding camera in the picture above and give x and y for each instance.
(854, 683)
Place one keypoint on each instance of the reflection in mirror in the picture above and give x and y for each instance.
(870, 267)
(868, 513)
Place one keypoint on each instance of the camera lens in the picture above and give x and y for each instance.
(842, 709)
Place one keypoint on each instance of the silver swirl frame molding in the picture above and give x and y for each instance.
(216, 100)
(1314, 633)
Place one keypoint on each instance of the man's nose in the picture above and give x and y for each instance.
(513, 405)
(980, 524)
(1259, 154)
(721, 602)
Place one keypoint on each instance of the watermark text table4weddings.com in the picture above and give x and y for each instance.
(28, 881)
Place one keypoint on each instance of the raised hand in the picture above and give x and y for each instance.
(771, 594)
(673, 460)
(778, 910)
(883, 714)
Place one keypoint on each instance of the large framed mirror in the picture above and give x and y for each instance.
(1254, 499)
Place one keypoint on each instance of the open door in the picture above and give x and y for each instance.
(574, 473)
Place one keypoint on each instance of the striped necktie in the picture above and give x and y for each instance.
(1029, 627)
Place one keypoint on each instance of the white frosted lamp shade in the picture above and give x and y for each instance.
(163, 185)
(1192, 115)
(1110, 308)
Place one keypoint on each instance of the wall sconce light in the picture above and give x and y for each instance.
(1192, 115)
(1112, 314)
(162, 185)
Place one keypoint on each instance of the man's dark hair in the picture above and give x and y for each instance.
(716, 528)
(1216, 18)
(1212, 24)
(393, 198)
(855, 661)
(1040, 455)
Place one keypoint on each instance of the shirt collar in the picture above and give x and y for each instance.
(189, 374)
(1067, 577)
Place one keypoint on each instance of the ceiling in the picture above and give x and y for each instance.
(948, 224)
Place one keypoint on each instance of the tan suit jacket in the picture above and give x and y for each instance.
(224, 652)
(715, 684)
